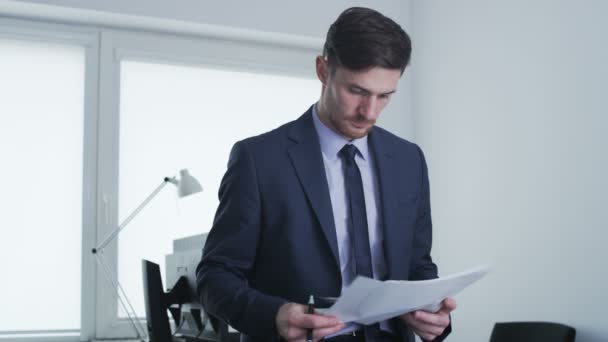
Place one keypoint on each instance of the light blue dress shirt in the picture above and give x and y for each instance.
(331, 144)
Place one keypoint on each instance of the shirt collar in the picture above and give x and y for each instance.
(332, 143)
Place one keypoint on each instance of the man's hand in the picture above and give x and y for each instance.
(430, 325)
(292, 322)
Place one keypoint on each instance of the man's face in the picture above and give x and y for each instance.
(351, 101)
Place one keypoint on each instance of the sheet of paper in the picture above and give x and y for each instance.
(367, 301)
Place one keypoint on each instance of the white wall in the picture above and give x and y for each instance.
(510, 107)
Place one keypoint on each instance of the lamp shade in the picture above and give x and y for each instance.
(187, 185)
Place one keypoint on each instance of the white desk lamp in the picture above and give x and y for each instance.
(186, 185)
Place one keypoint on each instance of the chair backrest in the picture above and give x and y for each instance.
(532, 332)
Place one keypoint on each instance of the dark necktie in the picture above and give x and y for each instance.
(357, 223)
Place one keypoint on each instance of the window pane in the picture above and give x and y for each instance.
(175, 117)
(41, 146)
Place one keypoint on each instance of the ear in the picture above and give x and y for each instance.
(322, 69)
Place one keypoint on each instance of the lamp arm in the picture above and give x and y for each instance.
(115, 232)
(124, 302)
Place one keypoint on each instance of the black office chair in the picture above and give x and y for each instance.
(191, 321)
(532, 332)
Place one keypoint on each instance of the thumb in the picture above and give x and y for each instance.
(448, 305)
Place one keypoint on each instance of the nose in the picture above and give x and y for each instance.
(369, 107)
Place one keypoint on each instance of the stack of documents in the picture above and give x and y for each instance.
(368, 301)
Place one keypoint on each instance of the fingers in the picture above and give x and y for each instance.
(294, 333)
(426, 321)
(429, 334)
(439, 319)
(321, 326)
(421, 327)
(293, 321)
(319, 333)
(313, 321)
(429, 325)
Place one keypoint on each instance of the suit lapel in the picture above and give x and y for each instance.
(307, 160)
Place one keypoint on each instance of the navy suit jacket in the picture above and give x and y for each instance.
(273, 238)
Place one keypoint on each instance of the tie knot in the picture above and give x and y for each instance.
(348, 152)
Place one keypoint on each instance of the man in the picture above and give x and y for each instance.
(310, 205)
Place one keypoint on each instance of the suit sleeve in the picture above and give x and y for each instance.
(423, 266)
(229, 254)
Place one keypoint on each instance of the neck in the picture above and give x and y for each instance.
(324, 117)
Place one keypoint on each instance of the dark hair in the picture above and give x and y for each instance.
(362, 38)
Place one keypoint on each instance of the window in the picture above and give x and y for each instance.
(41, 144)
(92, 120)
(174, 117)
(169, 103)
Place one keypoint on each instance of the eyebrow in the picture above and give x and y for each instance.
(367, 91)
